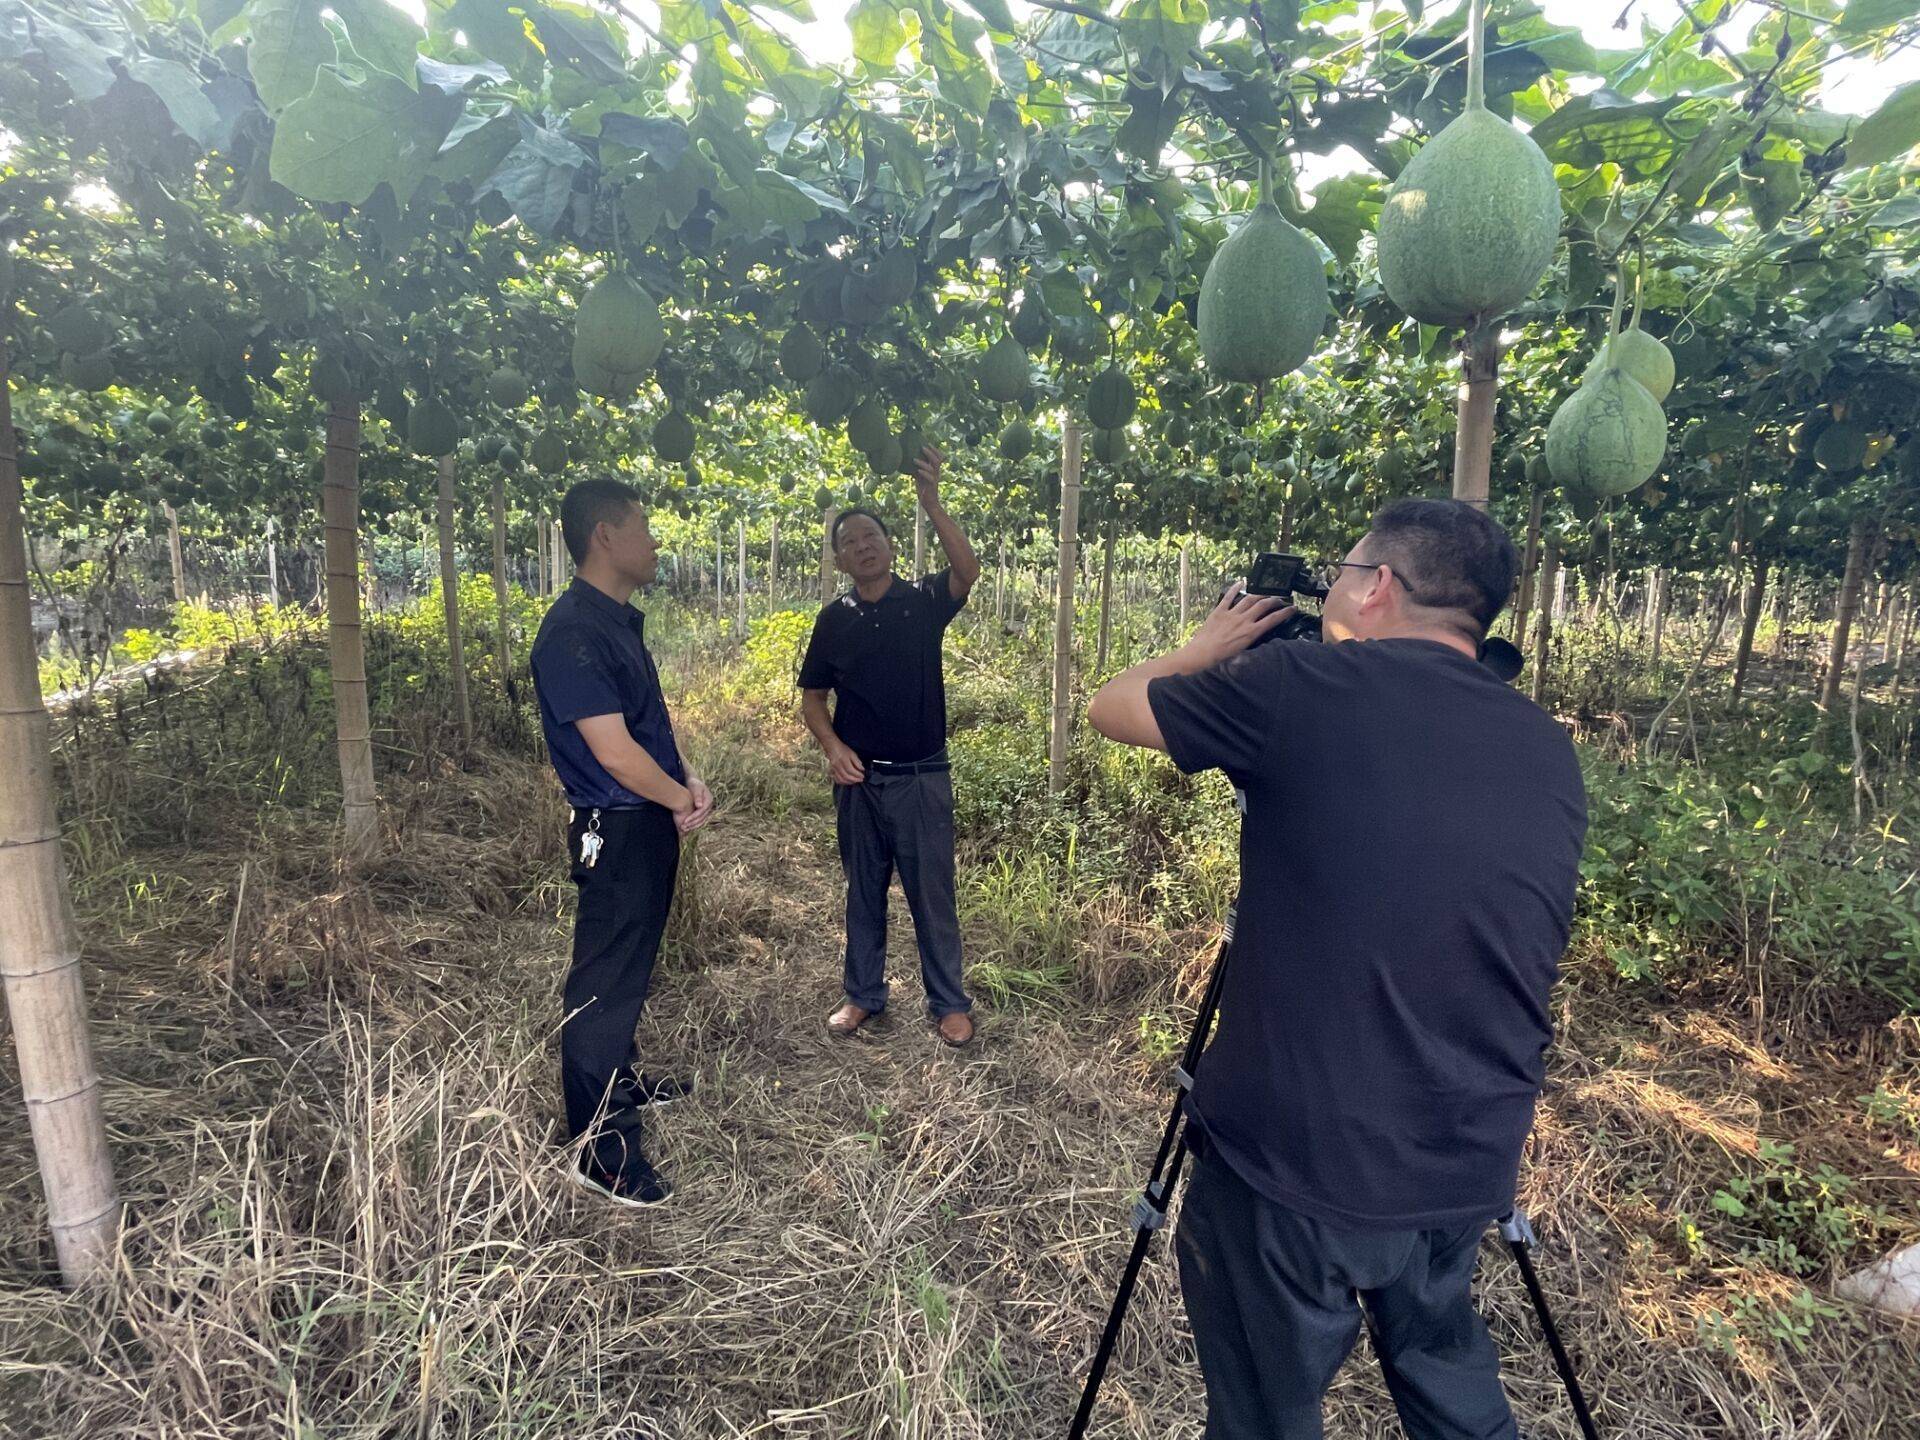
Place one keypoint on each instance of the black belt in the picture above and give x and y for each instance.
(932, 765)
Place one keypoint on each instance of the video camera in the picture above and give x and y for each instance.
(1290, 577)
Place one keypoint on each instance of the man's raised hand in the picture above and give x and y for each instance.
(1236, 622)
(926, 475)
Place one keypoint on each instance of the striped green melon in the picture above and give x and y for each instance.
(1470, 225)
(1263, 300)
(1110, 399)
(617, 336)
(1003, 370)
(673, 438)
(1643, 357)
(1608, 437)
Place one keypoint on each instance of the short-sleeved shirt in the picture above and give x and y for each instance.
(1408, 860)
(882, 661)
(590, 658)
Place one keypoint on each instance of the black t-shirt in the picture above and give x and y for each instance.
(1408, 860)
(882, 661)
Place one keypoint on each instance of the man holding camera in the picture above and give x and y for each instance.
(1409, 852)
(876, 650)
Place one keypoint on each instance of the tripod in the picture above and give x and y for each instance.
(1150, 1213)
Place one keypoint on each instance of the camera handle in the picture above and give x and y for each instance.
(1150, 1213)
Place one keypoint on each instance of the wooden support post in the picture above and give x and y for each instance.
(1550, 575)
(1185, 546)
(1473, 433)
(1063, 614)
(1859, 541)
(740, 579)
(39, 952)
(773, 563)
(340, 496)
(1529, 567)
(502, 637)
(827, 517)
(919, 541)
(1106, 600)
(450, 599)
(1749, 624)
(176, 557)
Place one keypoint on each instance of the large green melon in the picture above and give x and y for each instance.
(1608, 437)
(1109, 446)
(867, 425)
(1031, 325)
(1263, 301)
(1643, 357)
(801, 355)
(1469, 227)
(432, 428)
(1003, 370)
(885, 457)
(508, 388)
(79, 330)
(548, 452)
(829, 396)
(1016, 441)
(1110, 399)
(617, 337)
(673, 438)
(912, 441)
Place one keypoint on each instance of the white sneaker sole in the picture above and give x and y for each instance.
(626, 1201)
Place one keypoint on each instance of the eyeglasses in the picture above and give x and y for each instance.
(1330, 571)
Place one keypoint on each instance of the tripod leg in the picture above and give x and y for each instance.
(1520, 1238)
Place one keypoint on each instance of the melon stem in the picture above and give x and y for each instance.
(1476, 55)
(1619, 305)
(1639, 290)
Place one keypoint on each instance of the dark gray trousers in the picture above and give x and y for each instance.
(905, 823)
(1276, 1301)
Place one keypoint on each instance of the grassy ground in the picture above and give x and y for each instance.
(334, 1108)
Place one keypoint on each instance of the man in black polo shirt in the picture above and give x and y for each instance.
(877, 650)
(1408, 857)
(633, 797)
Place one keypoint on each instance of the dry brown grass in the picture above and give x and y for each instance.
(349, 1218)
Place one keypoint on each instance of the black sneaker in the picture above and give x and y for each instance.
(643, 1091)
(635, 1184)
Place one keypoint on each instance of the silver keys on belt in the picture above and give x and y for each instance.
(591, 840)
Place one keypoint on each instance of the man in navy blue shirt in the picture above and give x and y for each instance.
(633, 797)
(876, 651)
(1409, 852)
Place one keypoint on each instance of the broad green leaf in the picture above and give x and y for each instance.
(536, 177)
(500, 34)
(1160, 33)
(580, 39)
(995, 12)
(661, 138)
(879, 31)
(1902, 210)
(456, 79)
(287, 44)
(1891, 131)
(180, 91)
(1343, 210)
(478, 142)
(354, 130)
(1863, 16)
(385, 38)
(216, 15)
(947, 40)
(1149, 124)
(894, 143)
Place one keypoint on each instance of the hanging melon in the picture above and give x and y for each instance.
(1469, 226)
(508, 388)
(1641, 355)
(801, 355)
(1016, 441)
(1109, 446)
(885, 457)
(1110, 399)
(432, 428)
(1610, 435)
(548, 452)
(1003, 370)
(1031, 325)
(617, 337)
(1263, 300)
(1842, 447)
(673, 438)
(867, 425)
(829, 396)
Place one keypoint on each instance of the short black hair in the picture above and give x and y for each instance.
(833, 535)
(1453, 556)
(590, 503)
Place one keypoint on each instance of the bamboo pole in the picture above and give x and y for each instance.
(1543, 630)
(919, 540)
(1859, 539)
(1185, 570)
(1106, 601)
(39, 952)
(1063, 614)
(1473, 433)
(827, 517)
(1902, 638)
(450, 597)
(502, 640)
(1660, 600)
(740, 578)
(773, 563)
(1000, 581)
(1529, 566)
(540, 556)
(340, 505)
(176, 558)
(273, 566)
(562, 562)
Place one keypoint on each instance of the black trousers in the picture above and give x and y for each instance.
(1277, 1299)
(624, 899)
(904, 822)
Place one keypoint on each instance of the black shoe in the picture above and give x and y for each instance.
(643, 1091)
(635, 1184)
